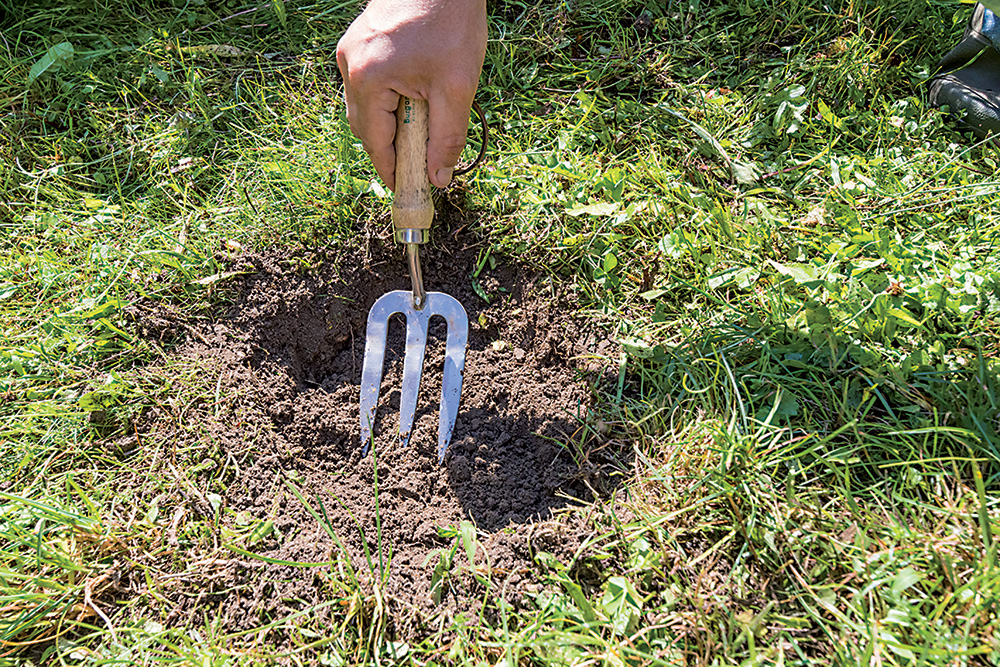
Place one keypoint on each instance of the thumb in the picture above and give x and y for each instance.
(447, 126)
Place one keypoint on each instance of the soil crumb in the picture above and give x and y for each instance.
(284, 428)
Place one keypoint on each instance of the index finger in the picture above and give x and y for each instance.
(375, 124)
(448, 126)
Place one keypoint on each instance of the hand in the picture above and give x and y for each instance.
(425, 49)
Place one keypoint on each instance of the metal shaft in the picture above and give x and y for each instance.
(416, 278)
(411, 239)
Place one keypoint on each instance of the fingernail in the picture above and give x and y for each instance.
(443, 177)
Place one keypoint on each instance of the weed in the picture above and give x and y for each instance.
(446, 574)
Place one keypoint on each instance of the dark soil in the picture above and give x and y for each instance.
(287, 361)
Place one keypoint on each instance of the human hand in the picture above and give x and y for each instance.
(423, 49)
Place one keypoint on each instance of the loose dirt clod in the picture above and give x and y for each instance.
(288, 358)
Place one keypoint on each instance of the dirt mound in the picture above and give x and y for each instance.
(288, 359)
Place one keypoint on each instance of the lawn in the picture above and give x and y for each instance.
(732, 391)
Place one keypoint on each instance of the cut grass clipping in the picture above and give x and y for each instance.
(792, 453)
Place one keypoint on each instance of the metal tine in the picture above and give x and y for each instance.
(413, 365)
(454, 366)
(371, 370)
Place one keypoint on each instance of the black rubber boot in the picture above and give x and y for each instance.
(968, 78)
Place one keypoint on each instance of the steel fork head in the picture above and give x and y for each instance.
(401, 301)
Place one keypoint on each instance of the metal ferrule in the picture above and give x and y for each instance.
(412, 235)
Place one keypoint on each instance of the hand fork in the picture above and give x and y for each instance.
(412, 214)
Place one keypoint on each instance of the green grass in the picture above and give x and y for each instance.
(795, 252)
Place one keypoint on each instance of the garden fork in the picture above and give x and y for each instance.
(412, 214)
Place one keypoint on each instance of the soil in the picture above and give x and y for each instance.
(287, 357)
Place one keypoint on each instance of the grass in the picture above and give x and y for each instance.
(796, 254)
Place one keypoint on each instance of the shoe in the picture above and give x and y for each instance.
(968, 77)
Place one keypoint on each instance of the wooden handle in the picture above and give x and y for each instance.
(412, 207)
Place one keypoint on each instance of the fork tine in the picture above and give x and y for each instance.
(413, 365)
(371, 370)
(454, 365)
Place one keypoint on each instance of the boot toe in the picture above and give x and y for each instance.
(975, 90)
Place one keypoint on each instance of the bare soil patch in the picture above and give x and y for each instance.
(287, 360)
